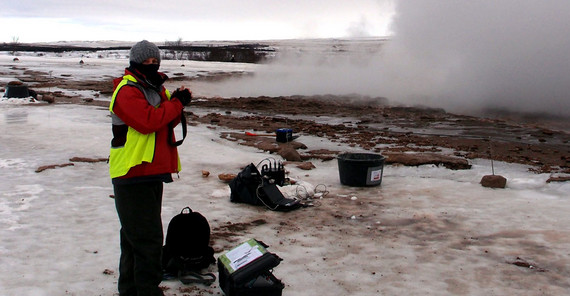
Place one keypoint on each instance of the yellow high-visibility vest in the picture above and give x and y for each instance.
(138, 148)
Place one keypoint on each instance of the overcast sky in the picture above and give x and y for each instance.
(132, 20)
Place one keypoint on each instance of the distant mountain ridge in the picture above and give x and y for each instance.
(244, 53)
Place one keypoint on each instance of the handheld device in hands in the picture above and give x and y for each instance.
(183, 95)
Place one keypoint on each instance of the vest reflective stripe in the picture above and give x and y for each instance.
(138, 148)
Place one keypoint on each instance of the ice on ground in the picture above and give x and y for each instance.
(425, 230)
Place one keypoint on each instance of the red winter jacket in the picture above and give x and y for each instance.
(134, 110)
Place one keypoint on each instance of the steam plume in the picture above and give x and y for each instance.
(457, 55)
(500, 54)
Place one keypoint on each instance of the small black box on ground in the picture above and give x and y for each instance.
(284, 135)
(246, 271)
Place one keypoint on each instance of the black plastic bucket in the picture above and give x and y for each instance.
(16, 91)
(360, 169)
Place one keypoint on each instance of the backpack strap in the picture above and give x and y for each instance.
(190, 277)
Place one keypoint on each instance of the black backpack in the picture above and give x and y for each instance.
(187, 248)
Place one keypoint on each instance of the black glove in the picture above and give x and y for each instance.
(184, 96)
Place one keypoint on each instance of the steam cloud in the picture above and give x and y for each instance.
(459, 55)
(503, 54)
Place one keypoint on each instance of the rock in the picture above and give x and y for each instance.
(306, 166)
(322, 154)
(523, 263)
(108, 272)
(289, 153)
(52, 166)
(416, 159)
(47, 98)
(267, 146)
(558, 179)
(494, 181)
(86, 159)
(295, 145)
(226, 177)
(205, 174)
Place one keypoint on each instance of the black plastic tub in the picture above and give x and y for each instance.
(360, 169)
(16, 91)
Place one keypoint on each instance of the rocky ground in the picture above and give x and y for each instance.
(370, 123)
(392, 130)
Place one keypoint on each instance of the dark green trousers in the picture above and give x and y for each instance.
(139, 209)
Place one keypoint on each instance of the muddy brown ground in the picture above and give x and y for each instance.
(369, 123)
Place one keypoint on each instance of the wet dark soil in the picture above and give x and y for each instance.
(381, 128)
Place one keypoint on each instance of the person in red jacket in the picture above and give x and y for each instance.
(143, 157)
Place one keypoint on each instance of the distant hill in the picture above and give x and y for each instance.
(243, 53)
(219, 51)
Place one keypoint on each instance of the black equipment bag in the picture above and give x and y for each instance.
(246, 271)
(187, 248)
(244, 186)
(255, 188)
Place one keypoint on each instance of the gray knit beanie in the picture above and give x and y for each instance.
(144, 50)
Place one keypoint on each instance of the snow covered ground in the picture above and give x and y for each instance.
(425, 231)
